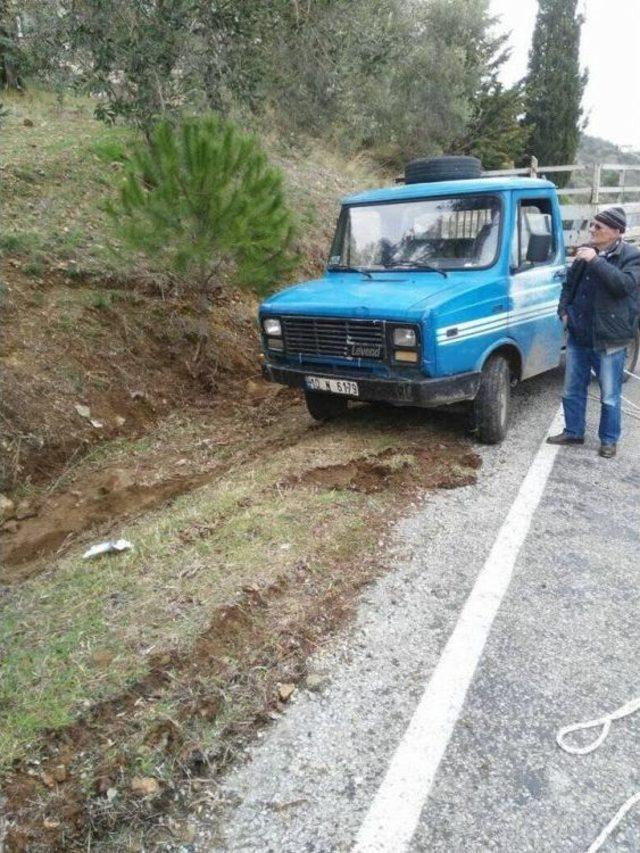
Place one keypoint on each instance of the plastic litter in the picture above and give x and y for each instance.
(112, 547)
(83, 411)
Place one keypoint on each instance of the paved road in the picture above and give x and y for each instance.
(563, 648)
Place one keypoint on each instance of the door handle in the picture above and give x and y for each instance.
(559, 275)
(497, 309)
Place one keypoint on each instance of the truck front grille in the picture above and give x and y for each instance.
(334, 337)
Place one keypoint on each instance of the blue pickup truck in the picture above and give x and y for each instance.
(442, 290)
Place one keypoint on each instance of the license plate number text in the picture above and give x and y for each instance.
(336, 386)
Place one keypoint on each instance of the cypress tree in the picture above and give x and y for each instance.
(555, 84)
(494, 131)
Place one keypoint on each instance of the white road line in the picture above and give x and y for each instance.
(393, 816)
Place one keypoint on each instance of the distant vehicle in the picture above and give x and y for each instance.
(443, 290)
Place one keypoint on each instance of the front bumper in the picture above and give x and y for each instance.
(424, 393)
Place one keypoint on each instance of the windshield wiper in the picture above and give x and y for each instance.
(341, 268)
(416, 266)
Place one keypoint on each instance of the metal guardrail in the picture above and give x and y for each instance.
(576, 217)
(594, 190)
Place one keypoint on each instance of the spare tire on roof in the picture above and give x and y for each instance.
(442, 169)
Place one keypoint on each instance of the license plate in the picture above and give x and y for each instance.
(336, 386)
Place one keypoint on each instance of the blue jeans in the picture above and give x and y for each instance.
(610, 371)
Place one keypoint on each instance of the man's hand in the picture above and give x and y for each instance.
(586, 253)
(565, 320)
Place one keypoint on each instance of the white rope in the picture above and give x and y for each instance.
(625, 411)
(615, 820)
(623, 711)
(605, 724)
(629, 402)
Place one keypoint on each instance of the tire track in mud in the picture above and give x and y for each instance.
(228, 679)
(107, 497)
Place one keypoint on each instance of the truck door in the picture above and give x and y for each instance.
(537, 270)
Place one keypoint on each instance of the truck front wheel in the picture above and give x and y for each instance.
(492, 404)
(324, 407)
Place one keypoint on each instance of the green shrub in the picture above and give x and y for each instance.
(34, 266)
(19, 242)
(110, 150)
(201, 196)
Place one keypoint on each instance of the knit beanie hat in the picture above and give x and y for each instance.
(614, 217)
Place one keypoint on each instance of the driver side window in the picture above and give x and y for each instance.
(533, 243)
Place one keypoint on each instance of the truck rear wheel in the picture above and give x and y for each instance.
(492, 404)
(324, 407)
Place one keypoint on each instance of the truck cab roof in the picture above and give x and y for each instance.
(444, 188)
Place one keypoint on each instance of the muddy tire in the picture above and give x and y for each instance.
(492, 404)
(633, 351)
(324, 407)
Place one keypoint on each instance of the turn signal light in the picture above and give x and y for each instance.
(405, 355)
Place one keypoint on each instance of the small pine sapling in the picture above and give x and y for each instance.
(201, 196)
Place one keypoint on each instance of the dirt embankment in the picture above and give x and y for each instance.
(89, 368)
(84, 362)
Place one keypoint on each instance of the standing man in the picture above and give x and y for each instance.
(599, 306)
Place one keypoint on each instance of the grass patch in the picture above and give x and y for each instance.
(110, 149)
(174, 650)
(60, 169)
(20, 242)
(34, 267)
(58, 173)
(186, 563)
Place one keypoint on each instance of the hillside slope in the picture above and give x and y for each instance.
(86, 323)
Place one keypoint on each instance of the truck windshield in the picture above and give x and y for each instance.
(456, 232)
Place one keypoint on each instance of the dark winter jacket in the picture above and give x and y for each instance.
(616, 298)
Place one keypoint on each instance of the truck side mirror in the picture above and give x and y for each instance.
(539, 248)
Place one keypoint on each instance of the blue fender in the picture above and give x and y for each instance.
(496, 345)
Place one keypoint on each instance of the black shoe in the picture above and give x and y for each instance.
(565, 438)
(608, 450)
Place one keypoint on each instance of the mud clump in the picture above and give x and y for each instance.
(358, 476)
(402, 468)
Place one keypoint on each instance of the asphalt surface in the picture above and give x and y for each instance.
(564, 648)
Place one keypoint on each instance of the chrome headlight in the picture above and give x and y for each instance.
(404, 337)
(272, 327)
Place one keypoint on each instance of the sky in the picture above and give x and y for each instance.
(609, 48)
